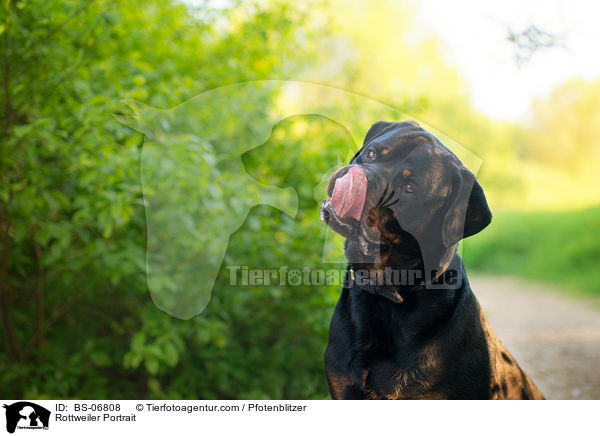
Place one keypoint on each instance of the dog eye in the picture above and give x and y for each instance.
(408, 188)
(371, 154)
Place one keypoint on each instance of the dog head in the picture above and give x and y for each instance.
(404, 198)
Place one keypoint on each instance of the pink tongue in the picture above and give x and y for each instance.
(349, 192)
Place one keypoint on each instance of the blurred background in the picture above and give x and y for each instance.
(517, 83)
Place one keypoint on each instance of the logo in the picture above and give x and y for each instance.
(26, 415)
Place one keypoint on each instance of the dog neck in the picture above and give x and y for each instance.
(398, 275)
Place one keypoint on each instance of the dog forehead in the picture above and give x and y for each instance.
(432, 154)
(399, 134)
(420, 149)
(407, 138)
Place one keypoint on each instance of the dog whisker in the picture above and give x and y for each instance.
(381, 199)
(390, 204)
(390, 196)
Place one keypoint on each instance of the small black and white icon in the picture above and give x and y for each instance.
(26, 415)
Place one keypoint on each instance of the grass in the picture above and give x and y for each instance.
(561, 248)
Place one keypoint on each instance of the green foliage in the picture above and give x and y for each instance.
(556, 247)
(76, 316)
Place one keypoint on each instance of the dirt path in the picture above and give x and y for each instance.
(555, 339)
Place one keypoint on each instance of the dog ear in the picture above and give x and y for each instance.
(375, 130)
(468, 212)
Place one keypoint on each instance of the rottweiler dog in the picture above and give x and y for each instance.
(407, 325)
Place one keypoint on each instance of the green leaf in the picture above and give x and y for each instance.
(100, 358)
(152, 365)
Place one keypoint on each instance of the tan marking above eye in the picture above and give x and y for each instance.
(406, 172)
(385, 151)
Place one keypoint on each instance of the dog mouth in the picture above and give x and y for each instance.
(349, 228)
(344, 210)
